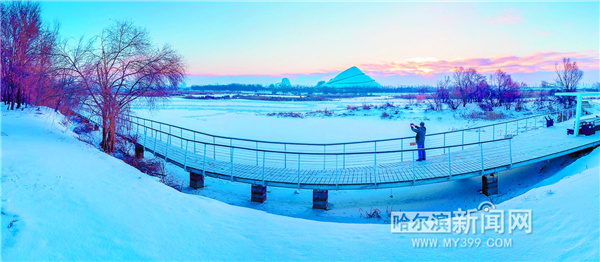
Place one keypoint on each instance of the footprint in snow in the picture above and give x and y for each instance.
(11, 225)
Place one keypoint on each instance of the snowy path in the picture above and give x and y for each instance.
(526, 148)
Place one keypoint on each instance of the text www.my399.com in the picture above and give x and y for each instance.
(462, 242)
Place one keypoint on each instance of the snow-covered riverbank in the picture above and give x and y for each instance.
(65, 200)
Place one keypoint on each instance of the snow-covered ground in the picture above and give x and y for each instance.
(63, 199)
(247, 119)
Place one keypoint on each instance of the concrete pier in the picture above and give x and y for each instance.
(320, 199)
(259, 193)
(196, 180)
(489, 184)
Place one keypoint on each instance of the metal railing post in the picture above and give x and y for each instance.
(257, 153)
(285, 156)
(145, 131)
(526, 125)
(167, 150)
(337, 179)
(506, 129)
(194, 142)
(344, 158)
(375, 163)
(204, 162)
(181, 136)
(324, 151)
(494, 132)
(375, 169)
(231, 165)
(510, 151)
(481, 149)
(517, 128)
(298, 171)
(185, 156)
(214, 149)
(413, 167)
(444, 143)
(463, 139)
(401, 150)
(479, 131)
(155, 138)
(449, 164)
(263, 171)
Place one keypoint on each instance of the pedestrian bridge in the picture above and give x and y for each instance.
(370, 164)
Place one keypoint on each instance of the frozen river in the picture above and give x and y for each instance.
(247, 119)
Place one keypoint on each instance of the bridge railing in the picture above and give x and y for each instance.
(438, 143)
(488, 154)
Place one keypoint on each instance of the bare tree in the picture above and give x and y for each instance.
(503, 90)
(568, 76)
(120, 66)
(499, 82)
(442, 94)
(26, 53)
(469, 84)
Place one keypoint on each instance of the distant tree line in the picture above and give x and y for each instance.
(310, 89)
(500, 90)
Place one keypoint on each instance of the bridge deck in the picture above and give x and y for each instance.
(530, 147)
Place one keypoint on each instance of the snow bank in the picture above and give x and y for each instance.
(64, 200)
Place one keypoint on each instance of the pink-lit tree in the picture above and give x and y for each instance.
(469, 84)
(568, 76)
(26, 54)
(118, 67)
(502, 90)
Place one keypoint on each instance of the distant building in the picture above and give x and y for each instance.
(285, 82)
(352, 77)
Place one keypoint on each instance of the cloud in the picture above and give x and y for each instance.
(506, 17)
(427, 69)
(536, 62)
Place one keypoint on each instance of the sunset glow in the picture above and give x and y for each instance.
(397, 43)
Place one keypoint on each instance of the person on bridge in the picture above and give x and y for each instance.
(420, 138)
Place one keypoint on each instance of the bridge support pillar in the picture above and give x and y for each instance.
(139, 151)
(489, 184)
(259, 193)
(320, 199)
(196, 180)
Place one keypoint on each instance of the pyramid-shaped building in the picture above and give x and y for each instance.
(352, 77)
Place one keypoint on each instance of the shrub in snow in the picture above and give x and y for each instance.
(372, 213)
(486, 107)
(387, 105)
(483, 115)
(385, 115)
(286, 114)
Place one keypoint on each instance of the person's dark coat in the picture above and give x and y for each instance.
(420, 138)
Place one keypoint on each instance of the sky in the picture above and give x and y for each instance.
(396, 43)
